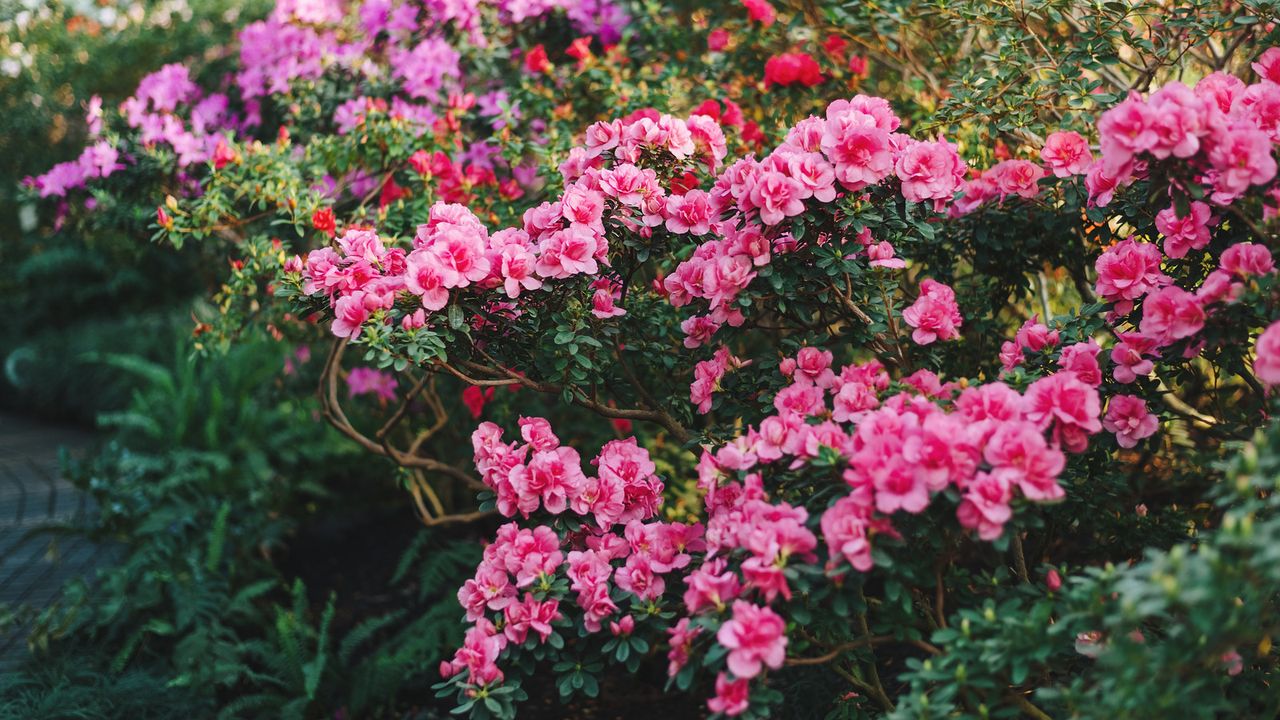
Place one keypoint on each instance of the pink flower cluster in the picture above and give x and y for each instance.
(935, 315)
(897, 453)
(854, 146)
(707, 375)
(542, 473)
(453, 251)
(1223, 129)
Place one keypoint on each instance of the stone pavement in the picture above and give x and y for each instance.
(33, 494)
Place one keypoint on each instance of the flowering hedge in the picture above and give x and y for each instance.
(882, 421)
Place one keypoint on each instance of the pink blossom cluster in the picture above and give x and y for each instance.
(156, 112)
(1013, 177)
(540, 473)
(934, 315)
(898, 452)
(1132, 271)
(854, 146)
(707, 375)
(561, 239)
(1222, 129)
(371, 381)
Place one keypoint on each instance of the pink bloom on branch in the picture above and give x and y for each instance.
(777, 196)
(985, 506)
(1128, 417)
(1241, 155)
(1020, 456)
(1266, 361)
(1128, 271)
(1016, 177)
(761, 11)
(1184, 233)
(883, 255)
(732, 696)
(717, 40)
(1126, 130)
(349, 313)
(1082, 359)
(756, 637)
(1129, 355)
(530, 614)
(858, 148)
(1219, 88)
(845, 527)
(424, 279)
(690, 213)
(1068, 404)
(791, 68)
(1268, 65)
(934, 315)
(367, 380)
(682, 637)
(930, 171)
(1170, 314)
(1247, 259)
(1066, 154)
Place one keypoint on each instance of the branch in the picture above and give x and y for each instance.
(1025, 706)
(332, 409)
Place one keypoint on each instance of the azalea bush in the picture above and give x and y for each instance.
(791, 389)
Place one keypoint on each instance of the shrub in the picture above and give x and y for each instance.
(883, 423)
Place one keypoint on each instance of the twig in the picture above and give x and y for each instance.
(1019, 559)
(1025, 706)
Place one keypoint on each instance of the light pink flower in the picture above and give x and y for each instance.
(985, 506)
(1268, 65)
(1241, 155)
(1266, 361)
(1070, 405)
(689, 213)
(732, 697)
(1171, 314)
(1066, 154)
(1128, 417)
(1020, 456)
(1128, 271)
(930, 171)
(934, 314)
(756, 637)
(858, 148)
(1184, 233)
(1129, 355)
(777, 197)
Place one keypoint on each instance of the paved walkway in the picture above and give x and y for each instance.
(33, 494)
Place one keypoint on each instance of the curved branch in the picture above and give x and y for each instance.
(332, 409)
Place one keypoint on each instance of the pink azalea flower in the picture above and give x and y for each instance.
(1184, 233)
(1266, 361)
(732, 697)
(1128, 271)
(1066, 154)
(756, 637)
(1128, 418)
(1171, 314)
(934, 315)
(1129, 355)
(689, 213)
(858, 148)
(930, 171)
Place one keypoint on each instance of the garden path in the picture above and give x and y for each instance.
(33, 494)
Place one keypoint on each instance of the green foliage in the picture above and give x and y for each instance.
(61, 53)
(1185, 632)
